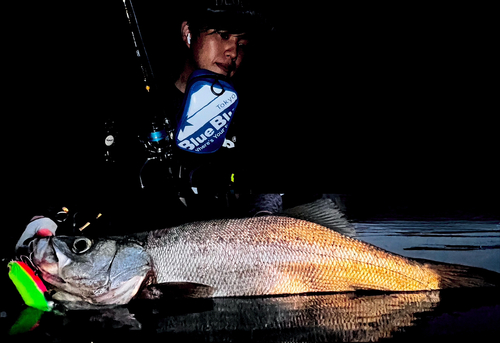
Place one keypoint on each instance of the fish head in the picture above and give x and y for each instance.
(100, 271)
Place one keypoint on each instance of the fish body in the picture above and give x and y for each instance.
(236, 257)
(278, 255)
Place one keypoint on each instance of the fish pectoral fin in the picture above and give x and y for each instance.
(177, 290)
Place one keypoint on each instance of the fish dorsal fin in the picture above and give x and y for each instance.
(324, 212)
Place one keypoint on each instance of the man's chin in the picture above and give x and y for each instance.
(222, 70)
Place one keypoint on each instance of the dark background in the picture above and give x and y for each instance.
(390, 106)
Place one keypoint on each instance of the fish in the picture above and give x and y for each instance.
(258, 256)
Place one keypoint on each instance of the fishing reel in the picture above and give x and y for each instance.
(158, 141)
(158, 147)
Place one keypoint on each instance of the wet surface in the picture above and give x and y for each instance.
(353, 316)
(470, 242)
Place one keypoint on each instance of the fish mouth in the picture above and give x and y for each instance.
(42, 251)
(44, 258)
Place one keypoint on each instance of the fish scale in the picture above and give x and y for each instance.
(278, 255)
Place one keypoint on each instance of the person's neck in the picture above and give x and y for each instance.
(181, 82)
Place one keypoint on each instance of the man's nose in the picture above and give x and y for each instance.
(232, 49)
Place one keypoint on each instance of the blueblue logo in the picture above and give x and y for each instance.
(208, 109)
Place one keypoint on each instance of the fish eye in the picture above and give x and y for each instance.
(81, 245)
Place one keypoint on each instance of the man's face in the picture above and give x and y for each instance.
(219, 51)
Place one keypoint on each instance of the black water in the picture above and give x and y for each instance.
(470, 242)
(361, 316)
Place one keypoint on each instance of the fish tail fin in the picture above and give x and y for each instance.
(456, 275)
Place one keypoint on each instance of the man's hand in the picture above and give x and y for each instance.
(39, 226)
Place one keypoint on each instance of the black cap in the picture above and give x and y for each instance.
(236, 16)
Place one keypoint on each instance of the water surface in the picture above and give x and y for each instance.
(468, 242)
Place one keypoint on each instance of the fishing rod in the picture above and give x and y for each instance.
(140, 49)
(158, 141)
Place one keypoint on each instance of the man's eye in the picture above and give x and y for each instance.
(224, 35)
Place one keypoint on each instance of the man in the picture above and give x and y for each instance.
(190, 186)
(215, 36)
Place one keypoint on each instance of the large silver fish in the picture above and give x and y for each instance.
(236, 257)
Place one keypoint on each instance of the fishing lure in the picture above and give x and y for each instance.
(29, 285)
